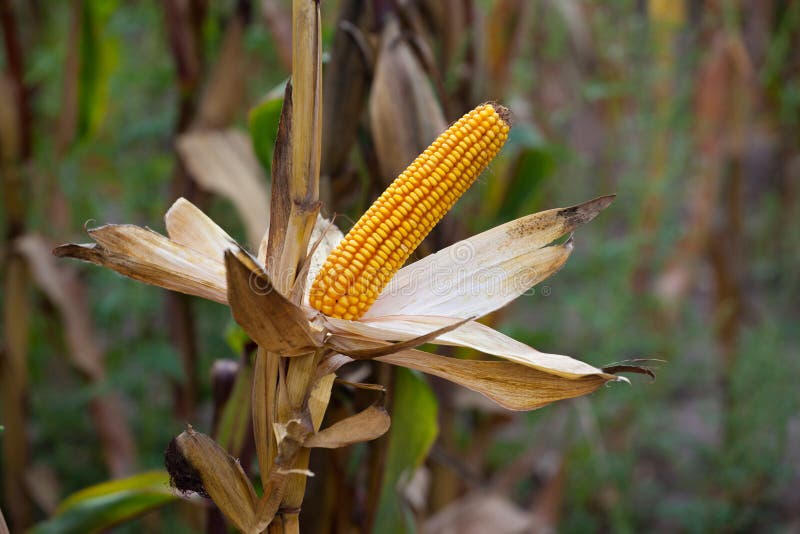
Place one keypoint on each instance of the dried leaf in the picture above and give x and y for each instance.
(449, 18)
(511, 385)
(405, 116)
(63, 287)
(189, 226)
(339, 343)
(221, 477)
(281, 203)
(319, 399)
(368, 424)
(633, 366)
(479, 512)
(267, 316)
(149, 257)
(489, 269)
(224, 163)
(44, 487)
(67, 293)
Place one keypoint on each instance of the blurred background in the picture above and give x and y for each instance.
(688, 110)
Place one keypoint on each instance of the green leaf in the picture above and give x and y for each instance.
(263, 125)
(98, 57)
(104, 505)
(414, 429)
(234, 423)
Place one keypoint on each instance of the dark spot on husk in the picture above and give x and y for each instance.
(182, 476)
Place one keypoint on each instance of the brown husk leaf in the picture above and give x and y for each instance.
(511, 385)
(266, 315)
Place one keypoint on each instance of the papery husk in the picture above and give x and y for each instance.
(149, 257)
(268, 317)
(366, 425)
(222, 478)
(513, 386)
(488, 270)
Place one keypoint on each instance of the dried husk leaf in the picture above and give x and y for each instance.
(188, 225)
(265, 376)
(471, 335)
(222, 478)
(341, 345)
(319, 398)
(511, 250)
(368, 424)
(224, 163)
(280, 200)
(325, 237)
(405, 116)
(149, 257)
(267, 316)
(513, 386)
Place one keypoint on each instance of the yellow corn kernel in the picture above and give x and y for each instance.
(406, 212)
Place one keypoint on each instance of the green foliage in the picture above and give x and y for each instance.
(98, 57)
(414, 429)
(263, 123)
(104, 505)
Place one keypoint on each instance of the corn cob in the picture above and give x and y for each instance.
(359, 268)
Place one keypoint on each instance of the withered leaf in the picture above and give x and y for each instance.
(511, 385)
(265, 314)
(149, 257)
(366, 425)
(224, 163)
(220, 477)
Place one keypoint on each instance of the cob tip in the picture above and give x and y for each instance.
(503, 112)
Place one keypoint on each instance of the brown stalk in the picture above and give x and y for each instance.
(280, 394)
(15, 145)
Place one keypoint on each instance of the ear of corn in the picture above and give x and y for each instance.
(381, 241)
